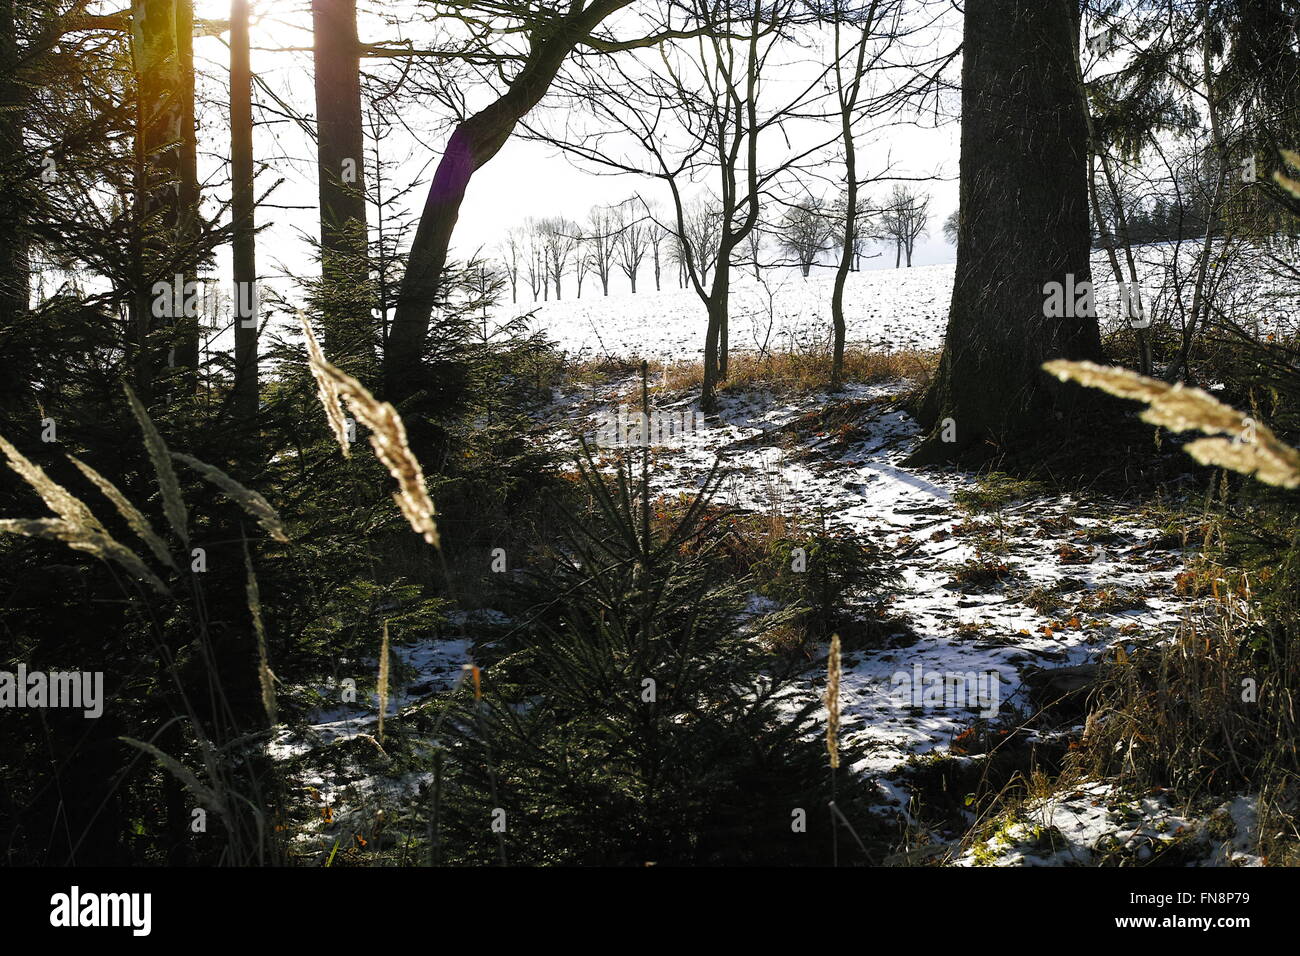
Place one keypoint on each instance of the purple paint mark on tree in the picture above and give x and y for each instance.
(454, 170)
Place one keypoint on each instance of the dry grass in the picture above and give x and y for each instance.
(387, 435)
(805, 372)
(833, 670)
(788, 371)
(253, 504)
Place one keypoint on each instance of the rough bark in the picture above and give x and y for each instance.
(160, 116)
(243, 213)
(1024, 224)
(345, 296)
(15, 270)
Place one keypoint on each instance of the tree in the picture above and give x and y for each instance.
(581, 258)
(164, 192)
(697, 244)
(632, 238)
(535, 260)
(511, 249)
(655, 235)
(696, 112)
(560, 238)
(602, 242)
(904, 220)
(950, 226)
(345, 295)
(242, 214)
(805, 232)
(849, 207)
(1023, 230)
(551, 37)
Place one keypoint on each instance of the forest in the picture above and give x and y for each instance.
(678, 433)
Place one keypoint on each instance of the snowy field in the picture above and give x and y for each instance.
(895, 309)
(885, 309)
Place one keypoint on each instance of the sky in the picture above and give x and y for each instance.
(526, 179)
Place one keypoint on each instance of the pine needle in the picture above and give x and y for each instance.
(253, 504)
(1251, 448)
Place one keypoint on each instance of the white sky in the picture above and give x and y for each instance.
(526, 179)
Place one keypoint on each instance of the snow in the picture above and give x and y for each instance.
(771, 463)
(867, 489)
(889, 309)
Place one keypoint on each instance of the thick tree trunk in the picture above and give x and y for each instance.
(243, 212)
(160, 117)
(1024, 224)
(15, 267)
(346, 297)
(187, 336)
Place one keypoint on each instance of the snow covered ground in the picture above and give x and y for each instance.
(896, 309)
(1072, 577)
(1109, 572)
(888, 309)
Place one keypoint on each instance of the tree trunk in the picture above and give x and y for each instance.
(1024, 224)
(188, 327)
(724, 350)
(243, 213)
(15, 266)
(345, 296)
(473, 143)
(159, 120)
(710, 383)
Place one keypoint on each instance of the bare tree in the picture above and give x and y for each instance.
(602, 241)
(344, 296)
(535, 259)
(581, 256)
(243, 206)
(805, 232)
(510, 250)
(950, 226)
(697, 244)
(904, 219)
(655, 236)
(548, 35)
(695, 112)
(561, 242)
(631, 245)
